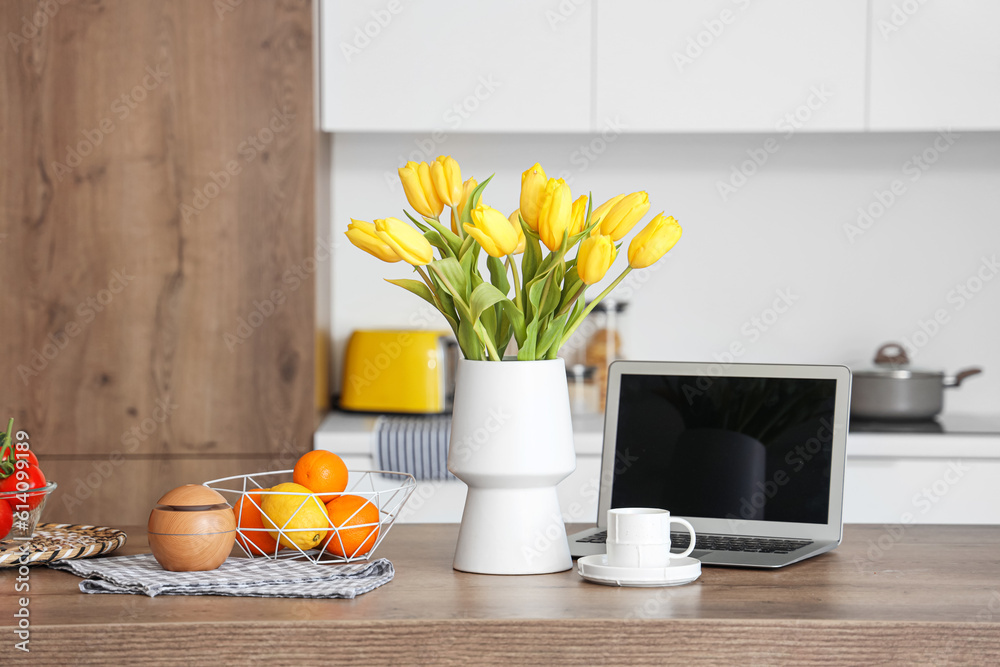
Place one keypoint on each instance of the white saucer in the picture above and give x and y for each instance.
(595, 569)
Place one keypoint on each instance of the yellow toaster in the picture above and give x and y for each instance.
(406, 371)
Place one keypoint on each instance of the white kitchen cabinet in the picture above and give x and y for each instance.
(731, 65)
(903, 479)
(935, 65)
(455, 66)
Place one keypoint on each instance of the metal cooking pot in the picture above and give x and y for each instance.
(893, 390)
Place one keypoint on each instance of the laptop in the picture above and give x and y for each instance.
(751, 454)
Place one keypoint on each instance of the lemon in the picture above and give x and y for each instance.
(302, 518)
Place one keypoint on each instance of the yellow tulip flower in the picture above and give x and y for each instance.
(446, 177)
(467, 189)
(622, 217)
(554, 215)
(595, 257)
(362, 234)
(419, 189)
(493, 231)
(516, 222)
(653, 242)
(578, 218)
(407, 242)
(597, 215)
(533, 182)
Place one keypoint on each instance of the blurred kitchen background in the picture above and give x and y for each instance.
(835, 166)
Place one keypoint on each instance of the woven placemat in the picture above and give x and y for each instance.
(61, 541)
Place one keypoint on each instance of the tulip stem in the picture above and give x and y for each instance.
(517, 289)
(437, 299)
(590, 306)
(491, 349)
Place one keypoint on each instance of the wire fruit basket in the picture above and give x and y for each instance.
(381, 490)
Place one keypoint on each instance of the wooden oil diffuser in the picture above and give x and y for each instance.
(191, 528)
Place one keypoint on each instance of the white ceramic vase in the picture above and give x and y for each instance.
(511, 443)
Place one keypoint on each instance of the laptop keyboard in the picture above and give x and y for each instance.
(763, 545)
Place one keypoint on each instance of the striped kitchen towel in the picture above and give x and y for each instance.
(416, 445)
(140, 574)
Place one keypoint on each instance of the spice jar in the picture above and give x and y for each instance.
(605, 344)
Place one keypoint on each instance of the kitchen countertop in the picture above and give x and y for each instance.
(924, 594)
(970, 437)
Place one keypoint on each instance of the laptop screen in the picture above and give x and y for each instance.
(725, 447)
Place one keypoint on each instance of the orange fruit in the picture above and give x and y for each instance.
(321, 472)
(256, 542)
(346, 511)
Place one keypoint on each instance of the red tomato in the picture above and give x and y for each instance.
(6, 519)
(32, 477)
(28, 456)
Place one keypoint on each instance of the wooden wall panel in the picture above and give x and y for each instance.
(157, 192)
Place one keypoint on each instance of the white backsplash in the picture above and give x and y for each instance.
(777, 240)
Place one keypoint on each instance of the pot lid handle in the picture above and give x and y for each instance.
(961, 375)
(891, 354)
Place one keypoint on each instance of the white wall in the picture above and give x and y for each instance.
(781, 230)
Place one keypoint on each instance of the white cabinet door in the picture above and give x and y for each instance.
(935, 65)
(731, 65)
(455, 66)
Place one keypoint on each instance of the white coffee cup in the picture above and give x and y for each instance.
(640, 537)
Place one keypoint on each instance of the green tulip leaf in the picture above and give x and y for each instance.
(553, 332)
(453, 240)
(469, 341)
(498, 274)
(424, 292)
(466, 213)
(526, 352)
(532, 254)
(415, 286)
(466, 246)
(421, 226)
(571, 288)
(435, 240)
(484, 296)
(516, 319)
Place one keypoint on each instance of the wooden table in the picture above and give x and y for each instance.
(928, 594)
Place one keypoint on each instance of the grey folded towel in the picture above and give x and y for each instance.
(417, 445)
(240, 577)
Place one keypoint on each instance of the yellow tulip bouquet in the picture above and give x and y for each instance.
(543, 301)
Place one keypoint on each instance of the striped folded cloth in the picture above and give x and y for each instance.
(238, 577)
(415, 445)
